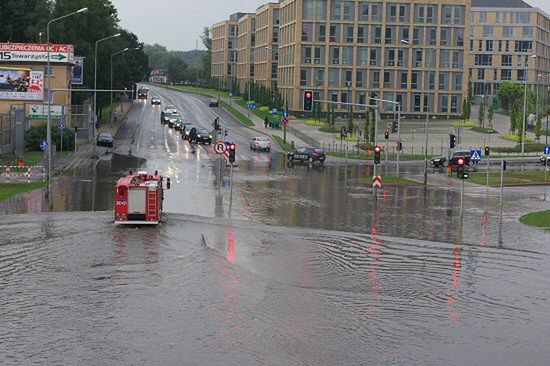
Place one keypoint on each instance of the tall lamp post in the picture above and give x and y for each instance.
(111, 92)
(524, 110)
(49, 96)
(427, 107)
(95, 78)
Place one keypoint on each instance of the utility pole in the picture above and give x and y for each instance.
(398, 137)
(500, 203)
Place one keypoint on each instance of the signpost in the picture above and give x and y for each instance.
(284, 122)
(40, 111)
(62, 129)
(29, 52)
(43, 147)
(377, 182)
(220, 147)
(475, 155)
(252, 106)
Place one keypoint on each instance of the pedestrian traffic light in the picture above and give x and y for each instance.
(394, 127)
(308, 100)
(75, 129)
(377, 151)
(217, 124)
(487, 150)
(452, 141)
(399, 146)
(504, 165)
(232, 149)
(343, 132)
(387, 135)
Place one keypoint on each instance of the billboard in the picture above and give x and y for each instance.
(77, 74)
(21, 84)
(30, 52)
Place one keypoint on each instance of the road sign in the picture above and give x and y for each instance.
(475, 155)
(274, 111)
(220, 147)
(285, 114)
(377, 182)
(284, 121)
(547, 150)
(252, 106)
(62, 127)
(43, 145)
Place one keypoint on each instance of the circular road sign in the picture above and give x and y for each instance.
(220, 147)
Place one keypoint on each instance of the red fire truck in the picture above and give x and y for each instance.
(139, 198)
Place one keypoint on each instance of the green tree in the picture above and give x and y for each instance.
(367, 126)
(373, 126)
(331, 119)
(481, 117)
(207, 59)
(510, 95)
(177, 70)
(350, 120)
(538, 127)
(21, 20)
(490, 115)
(466, 110)
(513, 121)
(521, 127)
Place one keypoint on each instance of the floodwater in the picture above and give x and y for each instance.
(77, 290)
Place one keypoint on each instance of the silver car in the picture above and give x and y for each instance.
(105, 138)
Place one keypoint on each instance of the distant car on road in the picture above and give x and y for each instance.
(178, 123)
(545, 160)
(204, 136)
(143, 93)
(156, 101)
(169, 116)
(105, 138)
(260, 143)
(310, 154)
(441, 161)
(213, 103)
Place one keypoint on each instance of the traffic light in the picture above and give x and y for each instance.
(504, 165)
(394, 127)
(487, 150)
(217, 124)
(308, 100)
(377, 151)
(452, 141)
(387, 135)
(232, 148)
(75, 129)
(460, 173)
(461, 162)
(399, 146)
(343, 132)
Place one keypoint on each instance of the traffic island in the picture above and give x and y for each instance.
(539, 219)
(511, 178)
(395, 182)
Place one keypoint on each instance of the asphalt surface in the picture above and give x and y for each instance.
(301, 265)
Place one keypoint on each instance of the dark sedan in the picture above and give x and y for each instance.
(309, 154)
(204, 136)
(105, 138)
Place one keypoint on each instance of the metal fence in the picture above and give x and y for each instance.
(7, 133)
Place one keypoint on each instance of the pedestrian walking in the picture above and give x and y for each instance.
(266, 121)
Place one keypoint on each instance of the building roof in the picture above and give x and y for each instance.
(500, 4)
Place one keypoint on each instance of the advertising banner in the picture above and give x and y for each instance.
(30, 52)
(40, 111)
(21, 84)
(77, 77)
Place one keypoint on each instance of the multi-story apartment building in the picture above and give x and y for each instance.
(505, 36)
(224, 50)
(267, 45)
(344, 50)
(246, 40)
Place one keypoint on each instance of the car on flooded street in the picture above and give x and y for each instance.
(441, 161)
(188, 128)
(310, 154)
(213, 103)
(156, 101)
(260, 143)
(105, 138)
(204, 136)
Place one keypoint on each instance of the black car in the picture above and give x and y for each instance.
(105, 138)
(204, 136)
(310, 154)
(441, 161)
(179, 122)
(185, 126)
(188, 128)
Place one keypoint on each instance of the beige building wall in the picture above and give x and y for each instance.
(267, 45)
(503, 41)
(346, 50)
(224, 57)
(246, 41)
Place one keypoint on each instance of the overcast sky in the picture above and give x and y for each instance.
(177, 24)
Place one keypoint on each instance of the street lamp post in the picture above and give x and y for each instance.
(427, 108)
(49, 96)
(111, 92)
(95, 79)
(524, 110)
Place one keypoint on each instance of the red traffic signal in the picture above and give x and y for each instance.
(308, 95)
(461, 162)
(308, 100)
(387, 135)
(232, 147)
(377, 149)
(487, 150)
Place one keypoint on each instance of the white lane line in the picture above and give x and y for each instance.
(166, 142)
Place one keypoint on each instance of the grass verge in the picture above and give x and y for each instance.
(515, 138)
(204, 91)
(397, 181)
(511, 178)
(10, 190)
(538, 219)
(284, 145)
(238, 115)
(463, 124)
(256, 111)
(312, 122)
(517, 149)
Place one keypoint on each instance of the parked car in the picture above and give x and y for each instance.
(105, 138)
(204, 136)
(545, 159)
(309, 154)
(213, 103)
(156, 101)
(260, 143)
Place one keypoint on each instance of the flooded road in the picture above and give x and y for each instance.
(302, 265)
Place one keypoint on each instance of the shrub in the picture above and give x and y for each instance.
(463, 124)
(516, 138)
(315, 123)
(349, 138)
(293, 118)
(264, 109)
(37, 134)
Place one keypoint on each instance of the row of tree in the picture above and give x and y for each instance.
(25, 21)
(256, 91)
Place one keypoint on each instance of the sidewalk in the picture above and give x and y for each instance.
(84, 155)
